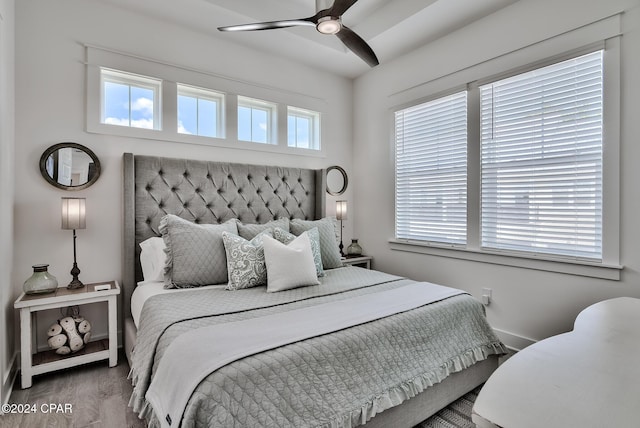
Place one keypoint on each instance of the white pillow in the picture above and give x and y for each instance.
(289, 266)
(153, 258)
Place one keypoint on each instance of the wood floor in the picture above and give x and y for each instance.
(98, 397)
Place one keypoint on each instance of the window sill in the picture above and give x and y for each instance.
(175, 137)
(571, 267)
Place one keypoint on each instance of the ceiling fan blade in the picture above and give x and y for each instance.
(269, 25)
(358, 46)
(341, 6)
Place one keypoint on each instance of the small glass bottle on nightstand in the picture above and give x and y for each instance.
(354, 249)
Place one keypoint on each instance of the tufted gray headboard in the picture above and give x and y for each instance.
(208, 192)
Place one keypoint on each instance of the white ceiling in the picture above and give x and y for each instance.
(390, 27)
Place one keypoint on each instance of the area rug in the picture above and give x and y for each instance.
(455, 415)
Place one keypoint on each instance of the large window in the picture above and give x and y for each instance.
(130, 100)
(533, 152)
(542, 160)
(431, 170)
(200, 111)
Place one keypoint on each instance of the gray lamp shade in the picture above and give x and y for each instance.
(73, 213)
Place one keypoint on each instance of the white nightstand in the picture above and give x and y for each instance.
(361, 261)
(48, 361)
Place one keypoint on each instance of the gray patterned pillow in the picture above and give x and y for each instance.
(245, 260)
(249, 231)
(195, 252)
(328, 244)
(314, 236)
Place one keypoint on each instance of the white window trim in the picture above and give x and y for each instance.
(610, 267)
(172, 74)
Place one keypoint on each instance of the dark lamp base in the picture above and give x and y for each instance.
(76, 283)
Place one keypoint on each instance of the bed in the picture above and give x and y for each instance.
(343, 358)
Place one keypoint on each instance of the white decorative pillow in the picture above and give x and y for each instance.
(314, 237)
(289, 266)
(245, 260)
(153, 258)
(250, 230)
(328, 244)
(195, 252)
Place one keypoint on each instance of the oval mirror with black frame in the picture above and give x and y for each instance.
(69, 166)
(337, 180)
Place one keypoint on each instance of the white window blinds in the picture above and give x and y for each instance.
(431, 170)
(542, 160)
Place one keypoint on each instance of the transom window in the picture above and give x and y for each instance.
(130, 100)
(256, 120)
(200, 111)
(303, 128)
(130, 96)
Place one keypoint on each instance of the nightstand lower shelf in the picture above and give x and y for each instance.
(48, 361)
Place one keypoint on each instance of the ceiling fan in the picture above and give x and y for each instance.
(327, 20)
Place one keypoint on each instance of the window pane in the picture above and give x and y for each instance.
(187, 118)
(116, 104)
(303, 132)
(207, 117)
(291, 131)
(259, 125)
(431, 171)
(244, 123)
(542, 160)
(141, 107)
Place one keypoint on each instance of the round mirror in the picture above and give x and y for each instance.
(337, 180)
(69, 166)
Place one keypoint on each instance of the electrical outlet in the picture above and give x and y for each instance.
(487, 294)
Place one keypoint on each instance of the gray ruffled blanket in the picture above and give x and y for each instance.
(340, 379)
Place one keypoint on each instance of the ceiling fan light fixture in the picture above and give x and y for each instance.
(328, 25)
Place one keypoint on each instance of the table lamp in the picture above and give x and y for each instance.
(73, 217)
(341, 214)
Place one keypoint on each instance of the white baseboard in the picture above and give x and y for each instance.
(514, 341)
(9, 379)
